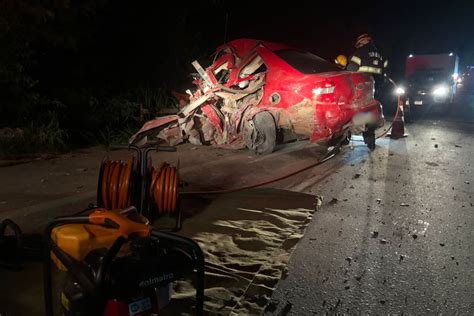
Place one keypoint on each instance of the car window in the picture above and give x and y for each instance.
(256, 65)
(222, 73)
(253, 67)
(305, 62)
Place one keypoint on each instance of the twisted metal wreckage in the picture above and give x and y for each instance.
(255, 90)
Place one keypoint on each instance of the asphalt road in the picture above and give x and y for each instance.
(395, 233)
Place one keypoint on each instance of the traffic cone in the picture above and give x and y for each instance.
(398, 127)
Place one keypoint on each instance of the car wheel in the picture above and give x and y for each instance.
(260, 133)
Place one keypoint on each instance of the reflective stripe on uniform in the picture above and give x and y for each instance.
(373, 70)
(356, 60)
(385, 64)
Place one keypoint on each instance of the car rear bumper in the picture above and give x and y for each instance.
(364, 120)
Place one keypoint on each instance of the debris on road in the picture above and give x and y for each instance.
(404, 204)
(415, 236)
(432, 164)
(466, 182)
(356, 176)
(383, 241)
(441, 244)
(333, 201)
(375, 234)
(379, 201)
(457, 146)
(318, 203)
(436, 146)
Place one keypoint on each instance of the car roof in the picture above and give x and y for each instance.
(241, 47)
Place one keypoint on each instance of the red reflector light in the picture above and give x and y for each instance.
(324, 91)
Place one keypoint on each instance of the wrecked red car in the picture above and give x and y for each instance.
(255, 90)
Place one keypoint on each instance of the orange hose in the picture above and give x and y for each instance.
(116, 182)
(163, 188)
(394, 118)
(328, 156)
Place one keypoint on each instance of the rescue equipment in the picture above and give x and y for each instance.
(115, 263)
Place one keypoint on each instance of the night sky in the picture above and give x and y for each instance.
(140, 36)
(327, 28)
(70, 58)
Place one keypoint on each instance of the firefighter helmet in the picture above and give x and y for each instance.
(362, 40)
(341, 60)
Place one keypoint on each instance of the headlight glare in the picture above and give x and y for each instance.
(440, 91)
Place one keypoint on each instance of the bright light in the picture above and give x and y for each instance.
(410, 56)
(399, 91)
(459, 80)
(450, 54)
(327, 87)
(440, 91)
(455, 76)
(317, 91)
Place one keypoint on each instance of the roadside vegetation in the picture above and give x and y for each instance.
(72, 76)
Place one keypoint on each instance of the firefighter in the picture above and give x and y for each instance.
(367, 58)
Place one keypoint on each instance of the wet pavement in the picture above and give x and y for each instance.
(394, 234)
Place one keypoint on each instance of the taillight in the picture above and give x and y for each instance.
(324, 91)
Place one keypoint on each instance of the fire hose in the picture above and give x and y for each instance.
(118, 182)
(330, 154)
(399, 106)
(164, 179)
(164, 187)
(115, 183)
(325, 158)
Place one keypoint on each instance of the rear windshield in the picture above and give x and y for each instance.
(305, 62)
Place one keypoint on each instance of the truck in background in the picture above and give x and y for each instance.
(430, 81)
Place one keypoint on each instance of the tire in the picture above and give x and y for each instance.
(260, 133)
